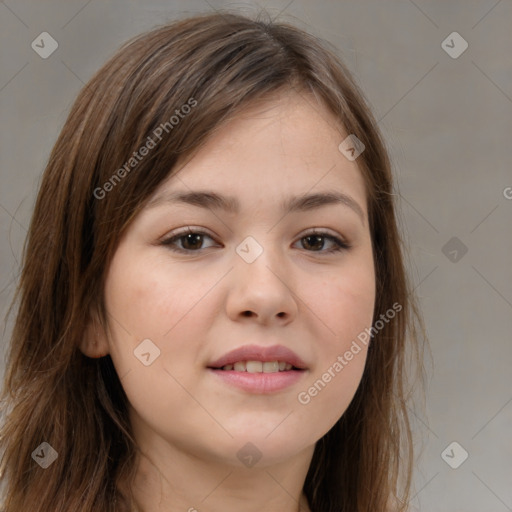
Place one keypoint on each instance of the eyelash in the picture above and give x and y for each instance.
(339, 244)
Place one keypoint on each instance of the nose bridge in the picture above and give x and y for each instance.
(258, 256)
(261, 267)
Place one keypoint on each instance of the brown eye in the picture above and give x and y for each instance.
(315, 242)
(191, 241)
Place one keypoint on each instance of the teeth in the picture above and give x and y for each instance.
(254, 366)
(259, 366)
(270, 367)
(240, 366)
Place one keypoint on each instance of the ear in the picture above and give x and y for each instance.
(94, 341)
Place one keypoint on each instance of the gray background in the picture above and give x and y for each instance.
(448, 124)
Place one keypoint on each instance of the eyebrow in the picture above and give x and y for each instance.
(303, 203)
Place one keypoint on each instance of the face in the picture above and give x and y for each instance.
(189, 284)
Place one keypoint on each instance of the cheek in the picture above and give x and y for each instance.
(148, 298)
(345, 305)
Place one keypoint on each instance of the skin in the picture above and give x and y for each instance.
(188, 422)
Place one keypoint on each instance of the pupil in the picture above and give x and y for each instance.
(196, 238)
(316, 237)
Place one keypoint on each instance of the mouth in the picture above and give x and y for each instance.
(259, 370)
(259, 367)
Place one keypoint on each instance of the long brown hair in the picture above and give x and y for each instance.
(53, 393)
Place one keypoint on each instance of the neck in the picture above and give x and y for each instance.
(171, 480)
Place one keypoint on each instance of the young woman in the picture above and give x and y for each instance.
(214, 312)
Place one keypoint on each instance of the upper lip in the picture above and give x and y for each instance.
(259, 353)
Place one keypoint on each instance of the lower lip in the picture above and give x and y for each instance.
(260, 383)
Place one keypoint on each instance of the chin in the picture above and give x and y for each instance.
(262, 450)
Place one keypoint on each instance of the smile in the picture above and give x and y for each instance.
(259, 369)
(259, 366)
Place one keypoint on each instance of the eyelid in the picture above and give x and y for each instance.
(180, 232)
(324, 232)
(187, 230)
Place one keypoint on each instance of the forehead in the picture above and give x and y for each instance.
(287, 146)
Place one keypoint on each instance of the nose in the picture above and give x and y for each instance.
(261, 289)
